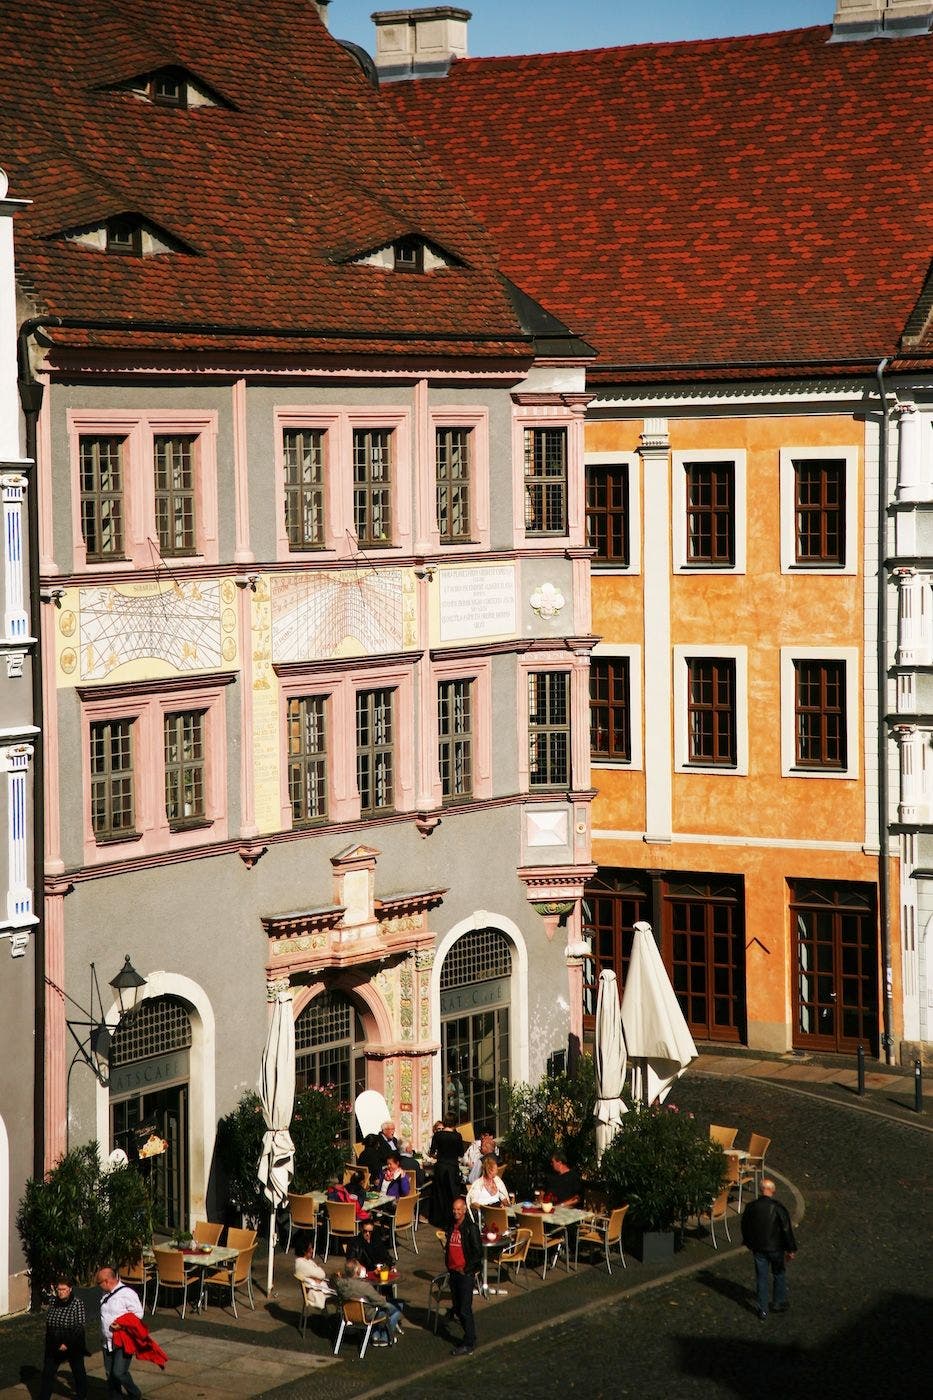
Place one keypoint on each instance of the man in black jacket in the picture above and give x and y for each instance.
(768, 1233)
(463, 1254)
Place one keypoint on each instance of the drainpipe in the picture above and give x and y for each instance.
(30, 395)
(887, 1038)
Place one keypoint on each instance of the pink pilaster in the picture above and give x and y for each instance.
(56, 1031)
(47, 564)
(242, 553)
(424, 472)
(248, 826)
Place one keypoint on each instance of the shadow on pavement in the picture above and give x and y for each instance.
(860, 1360)
(728, 1288)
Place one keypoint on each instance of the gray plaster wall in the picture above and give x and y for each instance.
(201, 918)
(17, 994)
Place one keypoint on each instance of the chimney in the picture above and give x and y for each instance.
(419, 43)
(881, 19)
(321, 7)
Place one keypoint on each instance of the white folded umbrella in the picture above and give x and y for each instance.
(277, 1091)
(657, 1038)
(610, 1061)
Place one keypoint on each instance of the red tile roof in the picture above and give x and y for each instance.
(269, 195)
(730, 202)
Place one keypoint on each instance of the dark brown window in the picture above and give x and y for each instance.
(307, 758)
(408, 255)
(184, 768)
(375, 751)
(455, 738)
(113, 807)
(372, 487)
(545, 481)
(168, 89)
(124, 236)
(820, 714)
(710, 492)
(549, 729)
(614, 902)
(174, 494)
(820, 512)
(304, 487)
(101, 473)
(711, 713)
(453, 470)
(607, 513)
(610, 709)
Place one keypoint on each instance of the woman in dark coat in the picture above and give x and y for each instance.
(447, 1148)
(64, 1340)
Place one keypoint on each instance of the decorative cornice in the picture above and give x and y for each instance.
(401, 1050)
(285, 669)
(401, 905)
(117, 690)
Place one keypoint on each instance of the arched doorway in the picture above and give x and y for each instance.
(475, 1003)
(149, 1097)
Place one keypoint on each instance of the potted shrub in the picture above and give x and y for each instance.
(81, 1216)
(557, 1112)
(662, 1165)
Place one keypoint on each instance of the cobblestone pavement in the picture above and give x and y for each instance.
(860, 1289)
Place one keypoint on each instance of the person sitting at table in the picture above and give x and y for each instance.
(472, 1160)
(378, 1147)
(562, 1185)
(369, 1247)
(446, 1149)
(412, 1163)
(308, 1270)
(336, 1191)
(488, 1189)
(353, 1286)
(394, 1181)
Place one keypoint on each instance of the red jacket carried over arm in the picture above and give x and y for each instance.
(131, 1334)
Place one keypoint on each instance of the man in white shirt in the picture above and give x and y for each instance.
(118, 1300)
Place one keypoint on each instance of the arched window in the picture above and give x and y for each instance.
(329, 1037)
(159, 1026)
(475, 992)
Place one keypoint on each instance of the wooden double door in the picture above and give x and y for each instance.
(834, 931)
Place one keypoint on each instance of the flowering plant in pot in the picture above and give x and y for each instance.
(663, 1167)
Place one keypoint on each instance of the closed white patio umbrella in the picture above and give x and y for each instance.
(610, 1062)
(657, 1038)
(277, 1091)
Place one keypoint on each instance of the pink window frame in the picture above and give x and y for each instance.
(147, 711)
(523, 418)
(338, 425)
(480, 673)
(139, 430)
(476, 420)
(579, 672)
(343, 798)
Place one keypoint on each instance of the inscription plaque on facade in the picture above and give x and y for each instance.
(477, 602)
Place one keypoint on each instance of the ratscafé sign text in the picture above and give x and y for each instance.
(476, 996)
(143, 1075)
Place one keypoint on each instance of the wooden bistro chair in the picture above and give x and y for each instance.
(137, 1273)
(404, 1217)
(544, 1239)
(353, 1314)
(753, 1164)
(240, 1239)
(496, 1216)
(315, 1296)
(603, 1230)
(733, 1177)
(351, 1169)
(724, 1136)
(206, 1232)
(517, 1254)
(237, 1274)
(302, 1215)
(437, 1286)
(173, 1272)
(341, 1223)
(718, 1211)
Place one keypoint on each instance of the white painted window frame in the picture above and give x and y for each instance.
(679, 462)
(682, 655)
(790, 455)
(852, 659)
(632, 461)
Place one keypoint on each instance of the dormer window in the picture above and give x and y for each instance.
(408, 255)
(168, 89)
(123, 236)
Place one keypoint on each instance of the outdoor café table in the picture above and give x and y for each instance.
(388, 1286)
(206, 1259)
(566, 1216)
(489, 1246)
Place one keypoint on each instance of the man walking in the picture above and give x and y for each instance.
(464, 1257)
(768, 1233)
(118, 1300)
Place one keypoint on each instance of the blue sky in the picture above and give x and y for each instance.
(545, 26)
